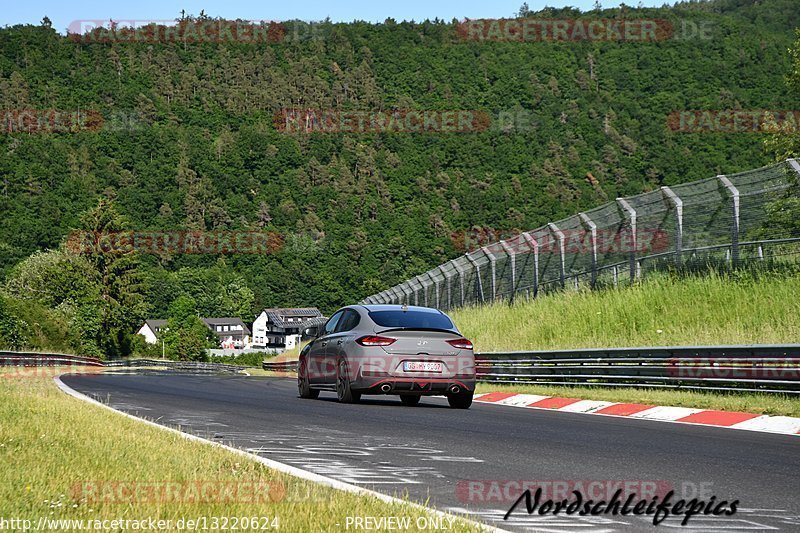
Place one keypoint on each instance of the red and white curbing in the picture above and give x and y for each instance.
(685, 415)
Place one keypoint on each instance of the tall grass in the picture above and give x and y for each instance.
(662, 310)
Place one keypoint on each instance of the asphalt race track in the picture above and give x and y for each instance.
(430, 452)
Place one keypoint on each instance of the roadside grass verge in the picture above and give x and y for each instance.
(763, 404)
(53, 446)
(663, 310)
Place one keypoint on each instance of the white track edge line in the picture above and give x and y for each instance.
(628, 417)
(281, 467)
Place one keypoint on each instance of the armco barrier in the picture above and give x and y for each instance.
(189, 366)
(45, 359)
(755, 368)
(283, 366)
(35, 359)
(759, 367)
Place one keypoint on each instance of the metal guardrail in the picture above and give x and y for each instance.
(8, 358)
(769, 368)
(760, 367)
(282, 366)
(754, 368)
(192, 366)
(35, 359)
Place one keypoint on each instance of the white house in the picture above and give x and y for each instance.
(231, 332)
(151, 329)
(281, 329)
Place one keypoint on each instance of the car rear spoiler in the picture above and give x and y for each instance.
(441, 330)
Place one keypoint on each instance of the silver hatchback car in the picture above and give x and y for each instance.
(389, 349)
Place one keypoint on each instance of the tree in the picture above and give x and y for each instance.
(786, 144)
(186, 337)
(12, 328)
(116, 267)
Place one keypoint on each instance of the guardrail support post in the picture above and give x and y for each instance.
(677, 203)
(535, 248)
(592, 227)
(493, 264)
(734, 192)
(632, 242)
(512, 258)
(562, 261)
(478, 280)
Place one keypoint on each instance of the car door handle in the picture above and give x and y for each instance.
(339, 342)
(324, 344)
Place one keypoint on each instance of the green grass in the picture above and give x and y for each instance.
(664, 310)
(660, 311)
(51, 442)
(763, 404)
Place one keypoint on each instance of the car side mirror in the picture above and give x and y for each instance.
(311, 333)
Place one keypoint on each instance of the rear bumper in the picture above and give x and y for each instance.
(415, 385)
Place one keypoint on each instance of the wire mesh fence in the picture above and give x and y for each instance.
(724, 220)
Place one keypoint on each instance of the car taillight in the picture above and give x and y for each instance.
(461, 344)
(375, 340)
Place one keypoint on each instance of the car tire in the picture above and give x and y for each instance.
(410, 399)
(343, 391)
(303, 385)
(462, 400)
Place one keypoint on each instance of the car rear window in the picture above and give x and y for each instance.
(411, 319)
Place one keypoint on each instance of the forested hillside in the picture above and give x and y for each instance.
(190, 143)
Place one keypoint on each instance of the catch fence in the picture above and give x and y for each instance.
(724, 220)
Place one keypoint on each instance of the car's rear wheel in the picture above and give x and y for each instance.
(303, 385)
(461, 400)
(409, 399)
(343, 391)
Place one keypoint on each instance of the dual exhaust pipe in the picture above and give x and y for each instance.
(386, 388)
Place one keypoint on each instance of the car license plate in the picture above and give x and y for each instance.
(419, 366)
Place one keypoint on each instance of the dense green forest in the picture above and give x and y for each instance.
(189, 142)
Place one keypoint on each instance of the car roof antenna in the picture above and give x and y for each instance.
(405, 307)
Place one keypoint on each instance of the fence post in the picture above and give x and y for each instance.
(407, 294)
(560, 237)
(493, 265)
(435, 288)
(422, 288)
(535, 248)
(677, 203)
(795, 165)
(474, 263)
(396, 293)
(631, 212)
(734, 192)
(592, 227)
(460, 279)
(447, 281)
(511, 257)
